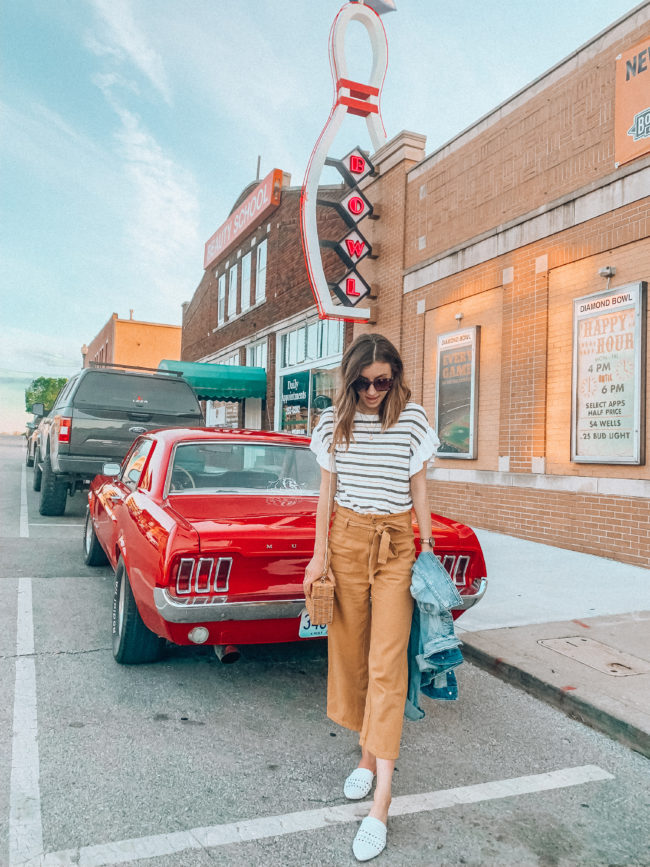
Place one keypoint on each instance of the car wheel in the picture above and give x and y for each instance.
(29, 457)
(93, 552)
(54, 492)
(133, 642)
(38, 474)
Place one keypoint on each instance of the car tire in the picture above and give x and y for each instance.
(54, 492)
(29, 457)
(38, 474)
(133, 642)
(93, 552)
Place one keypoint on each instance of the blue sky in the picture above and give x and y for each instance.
(129, 127)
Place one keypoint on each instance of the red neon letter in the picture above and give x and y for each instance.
(356, 205)
(355, 248)
(357, 164)
(350, 287)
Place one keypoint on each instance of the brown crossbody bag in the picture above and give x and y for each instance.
(320, 604)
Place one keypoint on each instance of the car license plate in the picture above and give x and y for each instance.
(307, 628)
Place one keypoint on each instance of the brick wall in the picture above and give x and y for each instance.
(616, 527)
(287, 287)
(555, 139)
(560, 139)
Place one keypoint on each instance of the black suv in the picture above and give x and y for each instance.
(96, 416)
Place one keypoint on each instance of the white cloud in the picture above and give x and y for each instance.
(162, 221)
(26, 353)
(124, 40)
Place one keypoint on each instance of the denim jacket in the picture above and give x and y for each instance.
(433, 650)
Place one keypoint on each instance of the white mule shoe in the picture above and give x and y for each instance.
(370, 840)
(358, 784)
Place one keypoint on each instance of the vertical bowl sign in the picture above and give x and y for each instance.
(363, 100)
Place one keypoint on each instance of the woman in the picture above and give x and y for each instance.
(373, 446)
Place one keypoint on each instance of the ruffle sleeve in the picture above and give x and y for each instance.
(321, 439)
(424, 444)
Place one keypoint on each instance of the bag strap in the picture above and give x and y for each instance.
(329, 504)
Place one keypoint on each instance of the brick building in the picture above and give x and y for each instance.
(496, 243)
(254, 307)
(130, 341)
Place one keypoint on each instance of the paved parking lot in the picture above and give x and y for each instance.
(189, 762)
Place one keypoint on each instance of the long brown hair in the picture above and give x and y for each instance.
(362, 352)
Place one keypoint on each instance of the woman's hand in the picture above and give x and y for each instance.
(313, 572)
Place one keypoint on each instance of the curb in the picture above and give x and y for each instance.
(572, 705)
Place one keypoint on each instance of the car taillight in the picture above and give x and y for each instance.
(184, 574)
(65, 428)
(202, 575)
(456, 566)
(224, 565)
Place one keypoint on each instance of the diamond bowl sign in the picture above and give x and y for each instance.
(608, 376)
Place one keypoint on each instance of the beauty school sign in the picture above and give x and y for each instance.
(259, 204)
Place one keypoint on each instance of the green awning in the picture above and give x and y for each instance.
(220, 381)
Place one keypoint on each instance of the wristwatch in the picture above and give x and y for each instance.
(430, 542)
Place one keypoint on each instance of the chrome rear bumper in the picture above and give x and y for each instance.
(212, 609)
(472, 598)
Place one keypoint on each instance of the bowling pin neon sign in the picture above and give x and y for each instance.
(363, 100)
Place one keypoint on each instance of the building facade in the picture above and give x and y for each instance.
(254, 307)
(511, 269)
(134, 343)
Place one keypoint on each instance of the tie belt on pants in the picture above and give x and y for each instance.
(382, 548)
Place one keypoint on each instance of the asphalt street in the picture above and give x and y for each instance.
(190, 762)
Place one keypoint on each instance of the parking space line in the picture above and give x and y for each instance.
(54, 524)
(25, 826)
(140, 848)
(24, 526)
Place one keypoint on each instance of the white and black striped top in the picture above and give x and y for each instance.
(373, 474)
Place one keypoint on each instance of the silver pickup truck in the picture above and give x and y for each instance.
(96, 416)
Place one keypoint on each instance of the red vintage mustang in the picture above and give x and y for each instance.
(209, 532)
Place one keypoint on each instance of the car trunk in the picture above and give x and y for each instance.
(270, 538)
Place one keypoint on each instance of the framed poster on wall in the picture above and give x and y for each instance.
(608, 383)
(457, 393)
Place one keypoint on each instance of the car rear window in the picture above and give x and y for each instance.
(137, 393)
(213, 467)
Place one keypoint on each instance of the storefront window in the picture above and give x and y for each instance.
(256, 354)
(323, 390)
(312, 340)
(314, 351)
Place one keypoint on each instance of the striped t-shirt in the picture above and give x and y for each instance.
(373, 474)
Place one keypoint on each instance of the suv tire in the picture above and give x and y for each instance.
(93, 552)
(38, 474)
(133, 642)
(54, 492)
(29, 457)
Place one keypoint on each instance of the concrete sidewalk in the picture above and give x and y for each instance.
(570, 628)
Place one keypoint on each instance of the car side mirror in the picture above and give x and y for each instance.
(110, 469)
(38, 409)
(134, 476)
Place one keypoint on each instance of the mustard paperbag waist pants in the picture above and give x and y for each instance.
(371, 557)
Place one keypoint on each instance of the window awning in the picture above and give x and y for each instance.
(220, 381)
